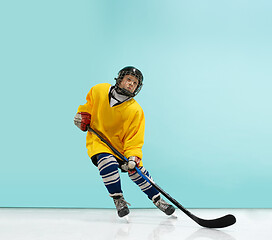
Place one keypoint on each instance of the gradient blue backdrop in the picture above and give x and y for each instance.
(206, 96)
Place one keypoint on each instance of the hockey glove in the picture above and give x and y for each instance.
(130, 165)
(82, 120)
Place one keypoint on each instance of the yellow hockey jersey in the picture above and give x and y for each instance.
(122, 125)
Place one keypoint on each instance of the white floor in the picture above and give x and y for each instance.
(103, 224)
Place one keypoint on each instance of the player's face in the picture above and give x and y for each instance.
(129, 83)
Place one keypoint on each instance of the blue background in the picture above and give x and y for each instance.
(206, 96)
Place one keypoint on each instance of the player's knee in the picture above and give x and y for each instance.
(106, 162)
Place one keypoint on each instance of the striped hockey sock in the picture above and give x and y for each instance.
(108, 168)
(145, 186)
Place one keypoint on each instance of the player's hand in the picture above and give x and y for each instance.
(82, 120)
(130, 165)
(133, 162)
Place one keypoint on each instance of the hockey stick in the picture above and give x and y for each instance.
(221, 222)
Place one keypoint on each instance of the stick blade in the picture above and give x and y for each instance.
(221, 222)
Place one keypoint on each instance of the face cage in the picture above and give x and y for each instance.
(124, 91)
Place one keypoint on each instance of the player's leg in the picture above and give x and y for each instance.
(152, 193)
(108, 169)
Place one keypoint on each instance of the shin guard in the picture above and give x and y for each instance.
(145, 186)
(108, 168)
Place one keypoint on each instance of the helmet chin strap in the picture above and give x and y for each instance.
(124, 92)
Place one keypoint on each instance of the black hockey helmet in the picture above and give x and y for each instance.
(129, 70)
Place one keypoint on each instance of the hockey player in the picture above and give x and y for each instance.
(113, 113)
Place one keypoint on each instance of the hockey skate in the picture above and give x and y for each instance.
(120, 204)
(167, 208)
